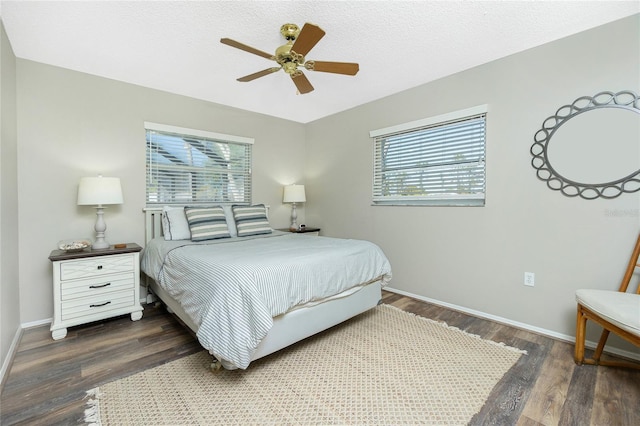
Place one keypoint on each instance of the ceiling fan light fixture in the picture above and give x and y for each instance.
(291, 68)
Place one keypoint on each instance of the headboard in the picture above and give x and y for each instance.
(153, 222)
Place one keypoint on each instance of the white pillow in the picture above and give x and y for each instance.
(231, 222)
(174, 224)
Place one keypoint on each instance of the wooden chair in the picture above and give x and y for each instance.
(616, 311)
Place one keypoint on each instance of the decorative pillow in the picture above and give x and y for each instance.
(207, 223)
(174, 224)
(251, 220)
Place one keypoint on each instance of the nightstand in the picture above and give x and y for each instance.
(92, 285)
(306, 230)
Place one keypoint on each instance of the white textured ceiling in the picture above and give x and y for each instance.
(175, 45)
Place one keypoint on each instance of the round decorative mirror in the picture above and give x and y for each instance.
(595, 139)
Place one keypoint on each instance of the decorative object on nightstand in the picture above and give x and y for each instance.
(74, 246)
(98, 191)
(92, 285)
(294, 194)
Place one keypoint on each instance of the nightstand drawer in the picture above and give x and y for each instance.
(86, 306)
(94, 267)
(96, 286)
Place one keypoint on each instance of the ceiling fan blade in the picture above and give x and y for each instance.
(246, 48)
(309, 36)
(302, 83)
(258, 74)
(348, 68)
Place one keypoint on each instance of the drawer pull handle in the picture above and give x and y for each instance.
(99, 266)
(99, 286)
(101, 304)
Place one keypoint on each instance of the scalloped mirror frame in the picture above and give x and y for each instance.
(625, 100)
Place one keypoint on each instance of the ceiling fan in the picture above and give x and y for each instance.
(291, 55)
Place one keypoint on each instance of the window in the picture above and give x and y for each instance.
(435, 161)
(186, 166)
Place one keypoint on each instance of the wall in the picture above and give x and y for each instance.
(9, 289)
(475, 257)
(72, 124)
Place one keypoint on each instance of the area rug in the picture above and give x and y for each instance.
(385, 366)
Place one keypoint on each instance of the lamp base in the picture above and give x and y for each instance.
(294, 218)
(100, 245)
(100, 227)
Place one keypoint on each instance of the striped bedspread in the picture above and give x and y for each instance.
(233, 287)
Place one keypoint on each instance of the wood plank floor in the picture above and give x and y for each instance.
(48, 379)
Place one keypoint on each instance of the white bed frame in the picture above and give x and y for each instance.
(290, 327)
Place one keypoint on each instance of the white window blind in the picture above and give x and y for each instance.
(186, 166)
(436, 161)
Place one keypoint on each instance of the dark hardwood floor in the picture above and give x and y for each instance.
(48, 380)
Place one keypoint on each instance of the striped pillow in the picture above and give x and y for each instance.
(206, 223)
(251, 220)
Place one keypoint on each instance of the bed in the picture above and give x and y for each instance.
(257, 290)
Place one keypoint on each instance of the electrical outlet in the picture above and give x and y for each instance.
(529, 279)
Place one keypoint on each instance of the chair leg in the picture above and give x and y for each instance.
(581, 325)
(603, 340)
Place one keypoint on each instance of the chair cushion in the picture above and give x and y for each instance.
(621, 309)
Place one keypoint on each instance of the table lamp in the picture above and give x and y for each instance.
(98, 191)
(294, 194)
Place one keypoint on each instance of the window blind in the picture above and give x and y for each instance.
(187, 167)
(440, 163)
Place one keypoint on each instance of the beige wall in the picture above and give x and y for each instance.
(72, 124)
(9, 288)
(475, 257)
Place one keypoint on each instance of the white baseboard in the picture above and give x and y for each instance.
(32, 324)
(11, 353)
(542, 331)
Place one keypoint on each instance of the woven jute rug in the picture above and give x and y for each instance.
(385, 366)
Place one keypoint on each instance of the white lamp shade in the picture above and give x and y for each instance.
(294, 194)
(99, 190)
